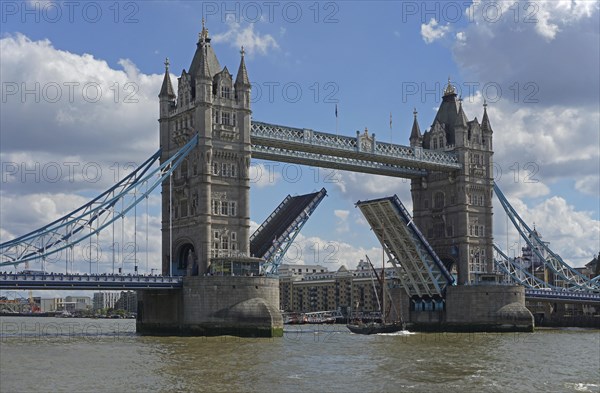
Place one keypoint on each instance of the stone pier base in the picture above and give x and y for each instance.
(477, 308)
(213, 306)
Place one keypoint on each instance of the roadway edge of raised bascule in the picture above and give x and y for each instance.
(213, 306)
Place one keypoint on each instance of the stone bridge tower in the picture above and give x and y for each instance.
(455, 211)
(205, 205)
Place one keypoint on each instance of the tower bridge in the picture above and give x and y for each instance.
(219, 279)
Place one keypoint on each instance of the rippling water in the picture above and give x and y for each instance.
(79, 355)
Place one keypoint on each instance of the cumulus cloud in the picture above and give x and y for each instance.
(363, 186)
(535, 146)
(553, 44)
(331, 253)
(85, 113)
(25, 213)
(433, 31)
(575, 236)
(90, 128)
(264, 175)
(252, 41)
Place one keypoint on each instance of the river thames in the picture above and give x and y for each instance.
(99, 355)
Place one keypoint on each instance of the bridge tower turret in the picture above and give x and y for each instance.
(167, 103)
(455, 211)
(416, 139)
(206, 202)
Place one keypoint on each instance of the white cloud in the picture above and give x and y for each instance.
(363, 186)
(552, 44)
(253, 226)
(91, 125)
(21, 214)
(85, 112)
(24, 213)
(432, 31)
(589, 185)
(573, 234)
(263, 175)
(342, 223)
(341, 214)
(326, 252)
(535, 146)
(252, 41)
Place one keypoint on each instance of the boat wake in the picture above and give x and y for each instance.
(582, 387)
(399, 333)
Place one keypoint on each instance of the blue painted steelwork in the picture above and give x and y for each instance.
(83, 281)
(126, 181)
(419, 269)
(287, 229)
(562, 295)
(517, 274)
(94, 215)
(407, 217)
(334, 162)
(362, 153)
(573, 279)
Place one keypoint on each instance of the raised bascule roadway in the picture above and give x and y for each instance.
(443, 253)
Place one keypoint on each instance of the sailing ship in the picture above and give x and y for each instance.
(360, 327)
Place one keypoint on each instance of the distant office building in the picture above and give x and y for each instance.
(105, 300)
(77, 303)
(52, 304)
(127, 301)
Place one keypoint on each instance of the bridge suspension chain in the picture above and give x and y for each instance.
(99, 213)
(518, 274)
(572, 278)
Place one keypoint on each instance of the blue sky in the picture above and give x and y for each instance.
(536, 63)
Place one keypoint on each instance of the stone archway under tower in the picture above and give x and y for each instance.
(451, 264)
(186, 261)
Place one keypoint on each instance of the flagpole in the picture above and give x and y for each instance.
(336, 120)
(391, 127)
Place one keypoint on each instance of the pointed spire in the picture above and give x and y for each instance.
(535, 232)
(204, 69)
(167, 88)
(461, 119)
(204, 63)
(485, 122)
(242, 75)
(415, 134)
